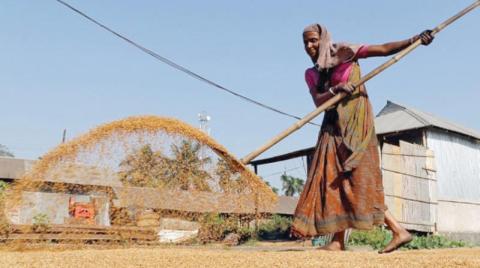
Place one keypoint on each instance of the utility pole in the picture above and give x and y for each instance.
(203, 118)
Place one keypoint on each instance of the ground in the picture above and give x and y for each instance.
(259, 255)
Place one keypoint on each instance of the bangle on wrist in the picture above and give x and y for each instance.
(331, 91)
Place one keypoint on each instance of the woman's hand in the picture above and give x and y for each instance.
(426, 37)
(346, 88)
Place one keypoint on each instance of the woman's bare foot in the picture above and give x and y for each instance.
(398, 240)
(333, 246)
(400, 235)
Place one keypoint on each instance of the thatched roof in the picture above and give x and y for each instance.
(191, 201)
(197, 201)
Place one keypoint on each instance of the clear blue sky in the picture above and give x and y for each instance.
(58, 70)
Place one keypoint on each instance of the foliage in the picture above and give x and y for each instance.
(148, 168)
(214, 227)
(274, 189)
(144, 168)
(187, 167)
(276, 227)
(247, 234)
(379, 237)
(3, 187)
(291, 185)
(434, 241)
(4, 151)
(40, 222)
(4, 224)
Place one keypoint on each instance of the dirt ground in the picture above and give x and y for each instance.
(259, 255)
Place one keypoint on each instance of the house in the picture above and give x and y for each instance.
(86, 192)
(453, 152)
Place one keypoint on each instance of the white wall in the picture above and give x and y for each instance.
(458, 217)
(457, 161)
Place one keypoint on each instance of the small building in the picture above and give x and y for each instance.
(81, 197)
(451, 167)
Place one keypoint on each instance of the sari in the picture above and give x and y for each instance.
(344, 186)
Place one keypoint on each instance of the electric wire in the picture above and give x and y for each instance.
(178, 66)
(280, 172)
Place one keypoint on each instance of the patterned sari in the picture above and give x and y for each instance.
(344, 186)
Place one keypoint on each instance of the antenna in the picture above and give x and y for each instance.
(203, 118)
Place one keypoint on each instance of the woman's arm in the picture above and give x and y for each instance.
(320, 98)
(391, 48)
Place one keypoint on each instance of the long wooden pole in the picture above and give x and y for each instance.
(364, 79)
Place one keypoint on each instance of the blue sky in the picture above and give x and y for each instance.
(60, 71)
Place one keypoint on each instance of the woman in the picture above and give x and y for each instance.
(344, 186)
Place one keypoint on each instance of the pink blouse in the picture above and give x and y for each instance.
(340, 73)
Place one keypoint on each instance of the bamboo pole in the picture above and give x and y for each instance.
(364, 79)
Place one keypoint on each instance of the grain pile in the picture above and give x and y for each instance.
(141, 163)
(204, 257)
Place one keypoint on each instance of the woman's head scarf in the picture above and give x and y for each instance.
(331, 54)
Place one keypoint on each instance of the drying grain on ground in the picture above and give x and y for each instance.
(211, 257)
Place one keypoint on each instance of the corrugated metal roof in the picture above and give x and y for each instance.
(395, 118)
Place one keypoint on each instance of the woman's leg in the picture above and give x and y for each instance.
(337, 244)
(400, 235)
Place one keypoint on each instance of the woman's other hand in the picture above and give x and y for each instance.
(426, 37)
(347, 88)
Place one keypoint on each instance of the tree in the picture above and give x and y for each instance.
(291, 185)
(147, 168)
(144, 168)
(4, 151)
(187, 167)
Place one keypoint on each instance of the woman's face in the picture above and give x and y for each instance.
(311, 40)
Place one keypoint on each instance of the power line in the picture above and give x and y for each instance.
(280, 172)
(177, 66)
